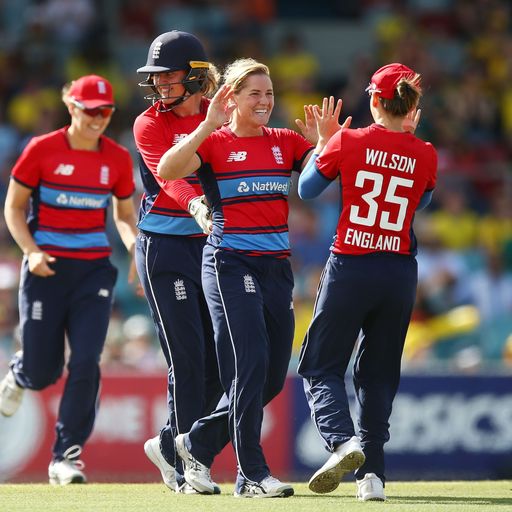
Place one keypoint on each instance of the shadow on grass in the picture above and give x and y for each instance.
(423, 500)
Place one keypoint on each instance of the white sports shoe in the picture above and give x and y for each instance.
(346, 457)
(370, 488)
(10, 395)
(69, 469)
(154, 454)
(196, 474)
(269, 487)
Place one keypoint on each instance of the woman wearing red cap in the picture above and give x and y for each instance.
(66, 179)
(368, 285)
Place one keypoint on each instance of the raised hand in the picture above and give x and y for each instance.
(308, 129)
(411, 121)
(221, 107)
(327, 118)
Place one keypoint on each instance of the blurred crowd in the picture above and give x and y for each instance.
(463, 50)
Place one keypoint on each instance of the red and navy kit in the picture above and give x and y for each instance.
(246, 181)
(380, 188)
(168, 256)
(248, 284)
(368, 286)
(71, 192)
(163, 208)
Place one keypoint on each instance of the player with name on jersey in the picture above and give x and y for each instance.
(368, 285)
(67, 179)
(173, 223)
(245, 168)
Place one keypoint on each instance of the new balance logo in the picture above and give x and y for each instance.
(243, 187)
(102, 87)
(64, 169)
(103, 292)
(249, 284)
(179, 290)
(237, 156)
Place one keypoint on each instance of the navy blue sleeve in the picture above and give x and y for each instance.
(311, 181)
(425, 199)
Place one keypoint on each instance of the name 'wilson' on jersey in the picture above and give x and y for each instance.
(380, 187)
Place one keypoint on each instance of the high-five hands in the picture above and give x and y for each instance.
(221, 107)
(322, 123)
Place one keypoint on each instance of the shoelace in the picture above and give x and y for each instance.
(71, 455)
(252, 489)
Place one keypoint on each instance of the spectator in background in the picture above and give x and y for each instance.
(68, 178)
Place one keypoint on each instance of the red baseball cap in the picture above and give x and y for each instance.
(92, 91)
(386, 78)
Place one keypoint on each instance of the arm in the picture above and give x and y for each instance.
(311, 182)
(124, 218)
(181, 159)
(425, 199)
(15, 208)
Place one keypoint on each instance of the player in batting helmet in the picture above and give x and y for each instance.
(176, 51)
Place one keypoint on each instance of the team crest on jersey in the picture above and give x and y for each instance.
(178, 137)
(278, 155)
(243, 187)
(237, 156)
(64, 169)
(104, 174)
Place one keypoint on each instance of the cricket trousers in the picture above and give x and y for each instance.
(169, 269)
(369, 297)
(75, 303)
(250, 302)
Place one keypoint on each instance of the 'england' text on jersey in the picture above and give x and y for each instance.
(371, 241)
(393, 161)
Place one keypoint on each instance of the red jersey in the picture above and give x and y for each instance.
(246, 181)
(71, 190)
(164, 205)
(383, 175)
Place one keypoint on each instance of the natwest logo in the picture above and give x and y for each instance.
(64, 169)
(264, 186)
(237, 156)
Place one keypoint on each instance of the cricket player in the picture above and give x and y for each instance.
(173, 223)
(245, 168)
(369, 282)
(68, 178)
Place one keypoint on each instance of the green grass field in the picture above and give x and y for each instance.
(488, 496)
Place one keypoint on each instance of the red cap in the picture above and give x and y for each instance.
(385, 79)
(92, 91)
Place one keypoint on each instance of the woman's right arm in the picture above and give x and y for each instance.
(15, 210)
(181, 159)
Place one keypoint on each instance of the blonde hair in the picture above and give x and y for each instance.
(211, 83)
(65, 92)
(407, 97)
(238, 71)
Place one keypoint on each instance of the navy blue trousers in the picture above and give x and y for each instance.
(76, 302)
(169, 269)
(368, 297)
(250, 301)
